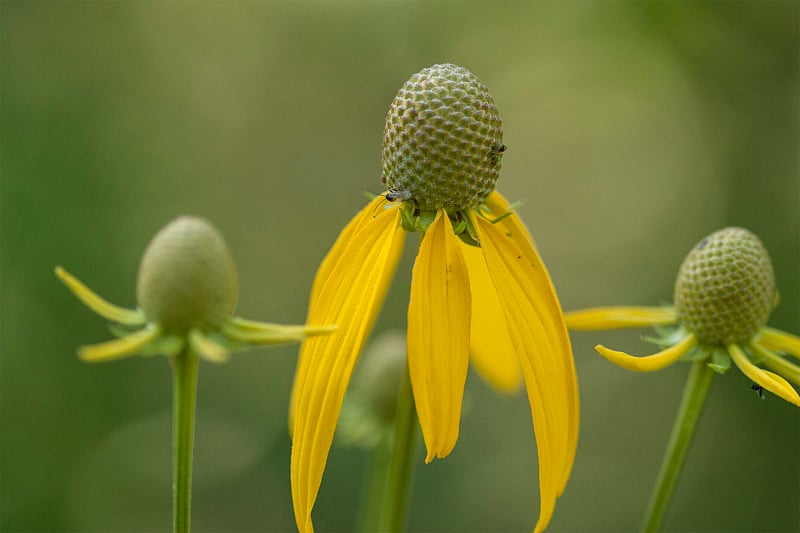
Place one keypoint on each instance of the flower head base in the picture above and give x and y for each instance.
(725, 289)
(724, 293)
(187, 291)
(492, 302)
(443, 141)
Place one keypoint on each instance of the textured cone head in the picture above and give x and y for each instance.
(443, 140)
(726, 287)
(187, 277)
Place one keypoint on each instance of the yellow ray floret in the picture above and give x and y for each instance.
(777, 363)
(93, 301)
(491, 351)
(619, 317)
(781, 341)
(350, 297)
(538, 334)
(649, 363)
(119, 348)
(438, 335)
(769, 380)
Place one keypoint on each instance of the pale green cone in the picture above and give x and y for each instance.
(725, 289)
(443, 141)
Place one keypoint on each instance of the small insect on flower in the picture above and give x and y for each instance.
(759, 390)
(398, 196)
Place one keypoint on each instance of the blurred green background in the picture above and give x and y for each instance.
(634, 129)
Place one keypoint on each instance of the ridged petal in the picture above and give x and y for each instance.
(323, 273)
(491, 351)
(781, 341)
(538, 333)
(350, 298)
(649, 363)
(769, 380)
(438, 335)
(619, 317)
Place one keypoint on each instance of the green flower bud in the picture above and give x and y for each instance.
(443, 140)
(187, 277)
(725, 289)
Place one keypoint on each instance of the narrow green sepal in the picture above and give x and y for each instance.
(468, 239)
(720, 361)
(424, 220)
(408, 220)
(262, 333)
(207, 348)
(698, 353)
(169, 345)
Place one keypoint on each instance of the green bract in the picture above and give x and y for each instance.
(725, 289)
(443, 141)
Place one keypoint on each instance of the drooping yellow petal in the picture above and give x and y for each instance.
(539, 336)
(649, 363)
(777, 363)
(438, 335)
(491, 351)
(781, 341)
(93, 301)
(351, 298)
(206, 348)
(119, 348)
(770, 381)
(264, 333)
(598, 318)
(368, 213)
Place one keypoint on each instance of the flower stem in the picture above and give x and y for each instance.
(694, 397)
(401, 461)
(185, 394)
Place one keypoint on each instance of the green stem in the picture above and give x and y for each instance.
(694, 397)
(394, 505)
(184, 400)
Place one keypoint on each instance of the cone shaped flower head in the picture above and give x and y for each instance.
(479, 290)
(724, 294)
(187, 291)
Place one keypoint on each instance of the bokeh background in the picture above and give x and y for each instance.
(633, 129)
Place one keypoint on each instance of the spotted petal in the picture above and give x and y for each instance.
(538, 334)
(349, 298)
(438, 335)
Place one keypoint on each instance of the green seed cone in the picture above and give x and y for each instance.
(187, 277)
(725, 289)
(443, 140)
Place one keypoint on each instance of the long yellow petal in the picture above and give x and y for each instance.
(619, 317)
(538, 334)
(649, 363)
(332, 259)
(776, 363)
(350, 298)
(781, 341)
(491, 351)
(93, 301)
(438, 335)
(119, 348)
(769, 380)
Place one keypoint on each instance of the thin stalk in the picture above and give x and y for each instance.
(401, 462)
(185, 395)
(694, 397)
